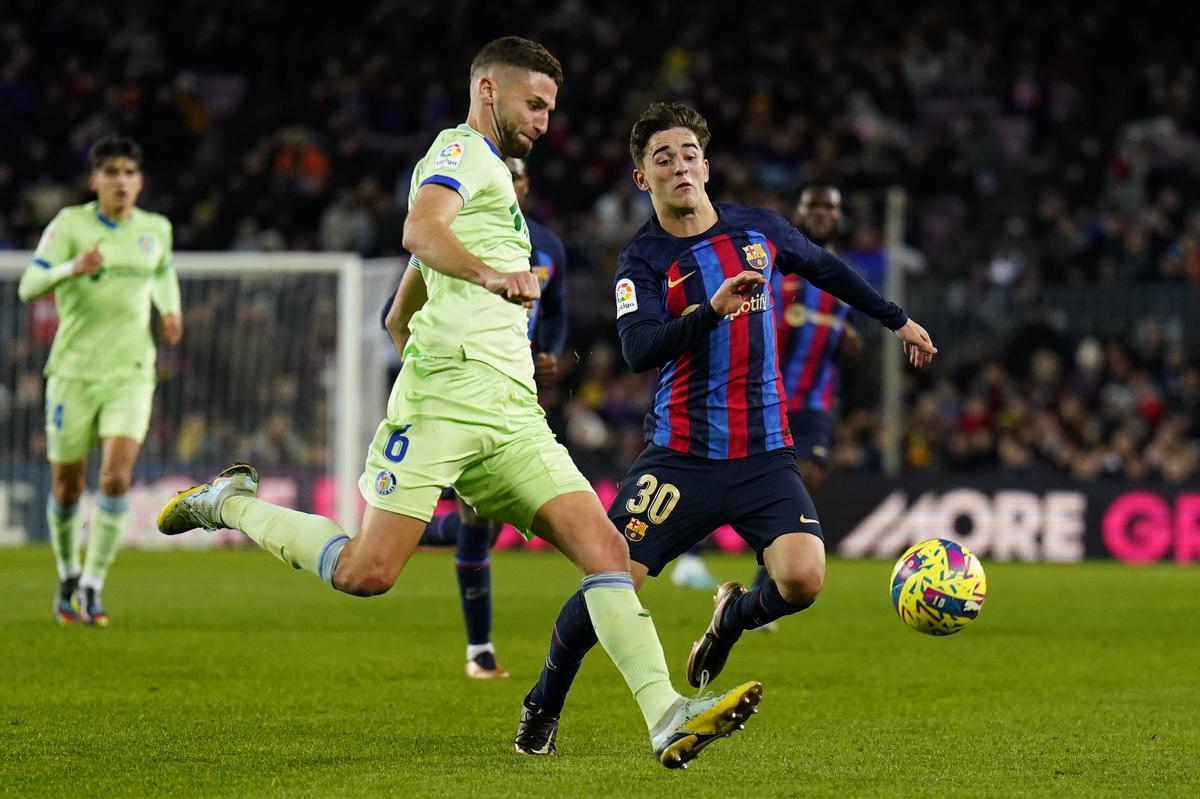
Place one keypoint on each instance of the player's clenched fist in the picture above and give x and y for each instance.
(87, 262)
(730, 296)
(518, 287)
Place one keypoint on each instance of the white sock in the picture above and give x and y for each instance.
(475, 650)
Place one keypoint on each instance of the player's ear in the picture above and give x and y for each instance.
(487, 89)
(92, 181)
(705, 162)
(639, 180)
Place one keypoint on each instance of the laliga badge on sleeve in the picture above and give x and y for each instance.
(626, 297)
(450, 156)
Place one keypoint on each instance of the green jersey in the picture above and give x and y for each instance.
(460, 316)
(104, 318)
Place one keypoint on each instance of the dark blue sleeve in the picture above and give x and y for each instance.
(551, 331)
(797, 255)
(649, 337)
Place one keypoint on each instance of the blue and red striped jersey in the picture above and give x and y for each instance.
(810, 324)
(724, 396)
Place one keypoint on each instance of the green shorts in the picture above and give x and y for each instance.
(461, 423)
(79, 412)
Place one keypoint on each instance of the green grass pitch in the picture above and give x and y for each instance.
(226, 674)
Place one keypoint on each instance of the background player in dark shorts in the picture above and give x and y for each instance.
(815, 333)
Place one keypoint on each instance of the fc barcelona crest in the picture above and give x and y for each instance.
(636, 530)
(756, 256)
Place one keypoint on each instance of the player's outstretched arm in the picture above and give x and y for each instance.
(40, 277)
(427, 236)
(830, 273)
(410, 296)
(834, 276)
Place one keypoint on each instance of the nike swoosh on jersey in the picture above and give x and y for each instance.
(805, 520)
(673, 283)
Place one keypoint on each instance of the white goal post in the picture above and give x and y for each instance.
(349, 366)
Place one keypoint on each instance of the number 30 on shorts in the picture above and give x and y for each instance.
(659, 499)
(397, 444)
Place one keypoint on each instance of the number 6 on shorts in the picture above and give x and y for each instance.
(397, 445)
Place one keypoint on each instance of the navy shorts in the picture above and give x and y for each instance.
(812, 433)
(669, 501)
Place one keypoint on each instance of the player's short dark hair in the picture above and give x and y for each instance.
(114, 147)
(664, 116)
(515, 51)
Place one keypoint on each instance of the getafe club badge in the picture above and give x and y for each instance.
(636, 529)
(146, 243)
(756, 256)
(385, 483)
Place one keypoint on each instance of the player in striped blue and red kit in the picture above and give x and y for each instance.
(694, 300)
(814, 332)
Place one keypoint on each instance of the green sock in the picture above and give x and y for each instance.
(108, 522)
(64, 537)
(303, 540)
(628, 636)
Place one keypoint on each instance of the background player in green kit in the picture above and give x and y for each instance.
(105, 261)
(464, 409)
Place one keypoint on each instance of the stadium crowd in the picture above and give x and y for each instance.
(1040, 143)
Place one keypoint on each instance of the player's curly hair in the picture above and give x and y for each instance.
(664, 116)
(114, 147)
(514, 51)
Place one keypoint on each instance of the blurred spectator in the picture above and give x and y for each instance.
(1050, 152)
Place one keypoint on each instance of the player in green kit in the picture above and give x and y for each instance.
(106, 262)
(464, 409)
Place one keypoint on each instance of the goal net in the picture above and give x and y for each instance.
(283, 364)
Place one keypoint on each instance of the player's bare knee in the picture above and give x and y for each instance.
(802, 587)
(365, 584)
(607, 551)
(114, 484)
(67, 495)
(68, 490)
(616, 548)
(371, 580)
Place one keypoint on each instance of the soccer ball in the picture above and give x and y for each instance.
(938, 587)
